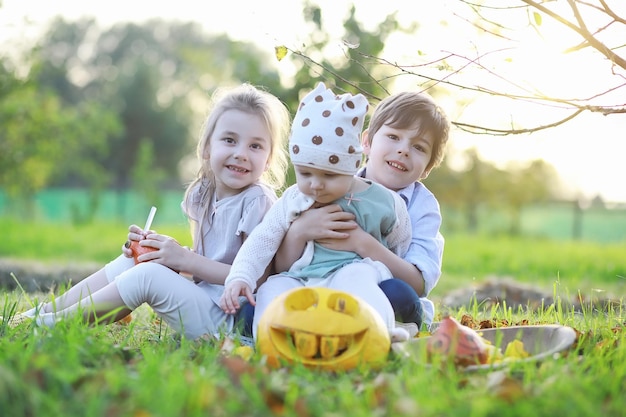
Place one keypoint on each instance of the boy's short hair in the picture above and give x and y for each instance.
(406, 109)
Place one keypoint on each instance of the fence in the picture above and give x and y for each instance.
(566, 220)
(76, 206)
(557, 220)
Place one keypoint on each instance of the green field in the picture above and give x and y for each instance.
(467, 258)
(561, 221)
(141, 370)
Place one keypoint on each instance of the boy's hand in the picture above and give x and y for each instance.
(328, 222)
(229, 302)
(354, 241)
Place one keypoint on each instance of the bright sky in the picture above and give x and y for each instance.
(587, 152)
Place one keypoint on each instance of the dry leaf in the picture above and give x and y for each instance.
(244, 352)
(505, 387)
(281, 52)
(227, 346)
(236, 367)
(515, 350)
(125, 320)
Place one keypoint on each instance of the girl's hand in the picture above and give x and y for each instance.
(167, 251)
(137, 233)
(229, 302)
(134, 233)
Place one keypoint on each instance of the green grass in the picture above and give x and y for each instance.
(543, 262)
(141, 370)
(138, 370)
(96, 242)
(468, 259)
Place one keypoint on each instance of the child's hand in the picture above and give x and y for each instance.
(328, 222)
(353, 243)
(134, 233)
(167, 251)
(137, 233)
(229, 302)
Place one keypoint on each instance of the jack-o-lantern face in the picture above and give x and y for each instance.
(322, 328)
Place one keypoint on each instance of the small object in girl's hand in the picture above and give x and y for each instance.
(134, 245)
(137, 249)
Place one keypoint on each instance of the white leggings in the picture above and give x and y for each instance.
(358, 278)
(187, 307)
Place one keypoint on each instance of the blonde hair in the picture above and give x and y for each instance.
(249, 99)
(406, 110)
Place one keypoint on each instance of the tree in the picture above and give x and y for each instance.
(531, 184)
(42, 140)
(119, 72)
(595, 24)
(467, 189)
(479, 185)
(593, 27)
(316, 61)
(339, 70)
(156, 76)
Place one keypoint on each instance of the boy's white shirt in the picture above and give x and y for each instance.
(260, 247)
(428, 243)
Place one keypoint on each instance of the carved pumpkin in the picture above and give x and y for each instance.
(138, 249)
(322, 328)
(458, 343)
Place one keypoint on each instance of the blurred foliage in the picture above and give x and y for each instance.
(43, 139)
(318, 59)
(113, 108)
(120, 109)
(480, 185)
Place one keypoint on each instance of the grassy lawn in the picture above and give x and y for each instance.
(141, 369)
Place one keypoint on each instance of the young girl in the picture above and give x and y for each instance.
(242, 141)
(326, 153)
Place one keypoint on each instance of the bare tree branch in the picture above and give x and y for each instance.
(452, 66)
(582, 31)
(504, 132)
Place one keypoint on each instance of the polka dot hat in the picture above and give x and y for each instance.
(326, 131)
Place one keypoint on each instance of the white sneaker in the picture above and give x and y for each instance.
(17, 320)
(398, 334)
(411, 328)
(47, 319)
(38, 309)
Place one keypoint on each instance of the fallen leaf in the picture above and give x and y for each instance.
(244, 352)
(504, 386)
(237, 367)
(227, 346)
(125, 320)
(515, 350)
(281, 52)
